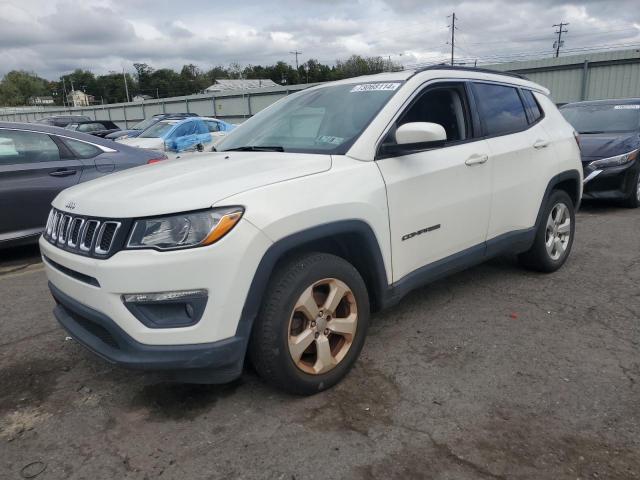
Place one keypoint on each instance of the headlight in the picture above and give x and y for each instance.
(185, 230)
(615, 161)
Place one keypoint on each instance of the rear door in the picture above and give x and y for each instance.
(511, 140)
(32, 172)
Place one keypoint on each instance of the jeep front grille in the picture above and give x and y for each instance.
(84, 235)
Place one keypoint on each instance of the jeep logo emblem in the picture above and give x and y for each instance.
(70, 205)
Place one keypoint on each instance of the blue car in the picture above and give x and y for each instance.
(138, 128)
(180, 135)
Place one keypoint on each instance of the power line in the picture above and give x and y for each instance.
(560, 31)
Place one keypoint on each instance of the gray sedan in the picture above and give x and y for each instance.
(38, 161)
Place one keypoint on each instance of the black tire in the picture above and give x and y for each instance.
(632, 200)
(268, 346)
(537, 257)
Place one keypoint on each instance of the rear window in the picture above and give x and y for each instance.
(501, 109)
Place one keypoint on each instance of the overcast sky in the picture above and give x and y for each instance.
(52, 37)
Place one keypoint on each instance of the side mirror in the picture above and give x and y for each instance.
(420, 132)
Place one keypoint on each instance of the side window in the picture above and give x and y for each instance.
(26, 147)
(81, 149)
(201, 127)
(500, 108)
(445, 105)
(183, 130)
(213, 126)
(533, 109)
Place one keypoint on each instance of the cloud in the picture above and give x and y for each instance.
(52, 37)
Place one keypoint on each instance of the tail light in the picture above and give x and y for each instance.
(157, 159)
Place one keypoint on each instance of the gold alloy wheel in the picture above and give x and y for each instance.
(322, 326)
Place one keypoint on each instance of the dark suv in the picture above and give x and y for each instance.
(99, 128)
(610, 142)
(62, 120)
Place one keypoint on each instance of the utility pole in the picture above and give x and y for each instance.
(64, 93)
(453, 33)
(73, 97)
(560, 31)
(126, 87)
(296, 53)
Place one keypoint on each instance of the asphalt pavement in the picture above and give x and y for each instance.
(493, 373)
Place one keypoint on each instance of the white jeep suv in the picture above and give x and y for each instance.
(329, 204)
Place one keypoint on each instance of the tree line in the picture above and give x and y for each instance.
(18, 87)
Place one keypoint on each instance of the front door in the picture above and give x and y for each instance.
(439, 199)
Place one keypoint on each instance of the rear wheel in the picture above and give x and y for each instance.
(312, 324)
(554, 237)
(633, 197)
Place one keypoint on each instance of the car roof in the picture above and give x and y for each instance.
(61, 131)
(436, 71)
(80, 122)
(609, 101)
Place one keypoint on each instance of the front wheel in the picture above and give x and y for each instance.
(312, 324)
(554, 237)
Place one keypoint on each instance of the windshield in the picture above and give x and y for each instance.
(157, 130)
(324, 120)
(143, 125)
(607, 118)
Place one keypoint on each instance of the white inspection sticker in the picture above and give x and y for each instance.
(627, 107)
(373, 87)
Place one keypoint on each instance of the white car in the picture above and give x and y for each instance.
(329, 204)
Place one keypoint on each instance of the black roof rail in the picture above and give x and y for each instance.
(463, 68)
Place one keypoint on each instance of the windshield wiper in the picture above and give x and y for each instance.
(589, 132)
(257, 148)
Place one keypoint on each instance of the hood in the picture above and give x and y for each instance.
(603, 145)
(146, 143)
(186, 184)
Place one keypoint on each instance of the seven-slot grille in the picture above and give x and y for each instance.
(84, 235)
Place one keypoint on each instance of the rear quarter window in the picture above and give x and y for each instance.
(501, 109)
(534, 111)
(82, 149)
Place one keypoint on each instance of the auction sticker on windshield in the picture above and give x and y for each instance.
(372, 87)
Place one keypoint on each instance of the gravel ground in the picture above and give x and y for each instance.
(492, 373)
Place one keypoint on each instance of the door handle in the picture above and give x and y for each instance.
(541, 144)
(62, 173)
(476, 159)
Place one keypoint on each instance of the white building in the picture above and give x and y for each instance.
(225, 85)
(78, 98)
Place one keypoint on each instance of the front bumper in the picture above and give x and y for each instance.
(90, 295)
(220, 361)
(612, 183)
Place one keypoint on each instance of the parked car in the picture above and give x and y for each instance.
(39, 161)
(100, 128)
(180, 135)
(62, 120)
(610, 143)
(138, 128)
(281, 243)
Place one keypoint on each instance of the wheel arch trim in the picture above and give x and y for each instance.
(290, 243)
